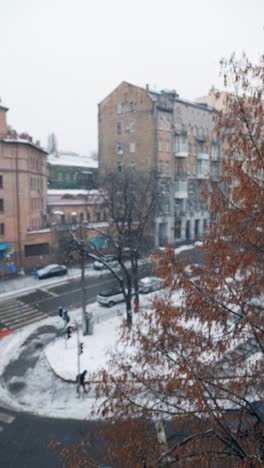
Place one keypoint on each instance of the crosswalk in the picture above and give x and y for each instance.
(5, 418)
(14, 314)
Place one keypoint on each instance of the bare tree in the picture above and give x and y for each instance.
(130, 202)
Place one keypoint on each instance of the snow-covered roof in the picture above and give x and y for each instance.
(74, 197)
(73, 192)
(72, 159)
(25, 142)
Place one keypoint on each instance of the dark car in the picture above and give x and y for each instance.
(51, 270)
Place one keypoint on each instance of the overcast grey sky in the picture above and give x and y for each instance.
(60, 58)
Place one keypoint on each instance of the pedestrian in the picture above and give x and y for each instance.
(81, 382)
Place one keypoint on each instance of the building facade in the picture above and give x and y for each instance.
(24, 236)
(69, 170)
(71, 207)
(146, 130)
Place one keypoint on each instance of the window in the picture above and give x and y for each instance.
(215, 152)
(200, 147)
(167, 124)
(119, 148)
(167, 146)
(118, 128)
(179, 167)
(160, 167)
(98, 216)
(160, 145)
(196, 227)
(132, 106)
(132, 147)
(160, 122)
(2, 229)
(181, 144)
(167, 167)
(81, 217)
(1, 181)
(119, 167)
(133, 164)
(88, 215)
(132, 126)
(177, 229)
(202, 167)
(181, 186)
(1, 204)
(119, 108)
(36, 250)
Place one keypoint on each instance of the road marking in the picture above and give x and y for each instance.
(1, 428)
(6, 418)
(51, 293)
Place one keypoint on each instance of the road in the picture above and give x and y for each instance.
(68, 295)
(44, 299)
(24, 438)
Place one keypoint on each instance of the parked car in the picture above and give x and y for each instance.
(107, 259)
(149, 284)
(51, 270)
(110, 297)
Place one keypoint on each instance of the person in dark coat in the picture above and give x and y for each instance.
(81, 381)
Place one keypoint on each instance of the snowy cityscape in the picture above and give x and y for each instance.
(132, 234)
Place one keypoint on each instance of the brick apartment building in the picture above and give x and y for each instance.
(146, 130)
(24, 236)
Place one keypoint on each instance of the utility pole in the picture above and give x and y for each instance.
(85, 318)
(78, 357)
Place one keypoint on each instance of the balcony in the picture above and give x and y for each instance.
(181, 189)
(203, 156)
(182, 153)
(202, 175)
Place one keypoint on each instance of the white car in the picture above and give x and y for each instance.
(110, 297)
(149, 284)
(108, 260)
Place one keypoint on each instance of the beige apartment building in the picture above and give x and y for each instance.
(147, 129)
(24, 236)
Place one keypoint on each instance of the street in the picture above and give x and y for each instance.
(44, 300)
(24, 438)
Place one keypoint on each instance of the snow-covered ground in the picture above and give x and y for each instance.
(42, 391)
(48, 387)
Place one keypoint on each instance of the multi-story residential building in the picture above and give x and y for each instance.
(23, 199)
(158, 130)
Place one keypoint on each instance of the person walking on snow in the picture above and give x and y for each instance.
(81, 381)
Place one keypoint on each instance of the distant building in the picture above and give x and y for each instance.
(146, 129)
(69, 170)
(70, 207)
(217, 102)
(24, 236)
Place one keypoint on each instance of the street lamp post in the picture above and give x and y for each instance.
(78, 357)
